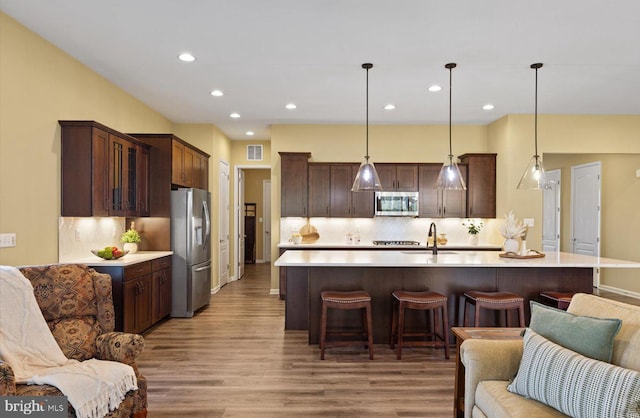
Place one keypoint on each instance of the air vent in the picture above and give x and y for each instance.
(254, 152)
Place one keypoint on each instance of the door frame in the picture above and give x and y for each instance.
(266, 214)
(557, 216)
(224, 213)
(236, 213)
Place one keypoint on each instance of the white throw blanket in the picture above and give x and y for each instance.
(94, 387)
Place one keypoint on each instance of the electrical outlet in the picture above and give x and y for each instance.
(7, 240)
(77, 235)
(528, 222)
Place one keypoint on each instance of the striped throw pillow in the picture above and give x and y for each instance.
(574, 384)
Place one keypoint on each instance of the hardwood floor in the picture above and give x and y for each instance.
(234, 359)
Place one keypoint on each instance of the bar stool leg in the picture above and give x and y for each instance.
(445, 331)
(400, 328)
(369, 331)
(477, 311)
(465, 319)
(394, 323)
(521, 312)
(323, 330)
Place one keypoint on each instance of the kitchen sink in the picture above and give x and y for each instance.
(429, 252)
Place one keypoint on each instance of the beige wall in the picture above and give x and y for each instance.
(39, 85)
(620, 219)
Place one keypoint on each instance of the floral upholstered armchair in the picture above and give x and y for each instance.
(77, 303)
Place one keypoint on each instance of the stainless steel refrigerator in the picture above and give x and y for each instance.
(191, 246)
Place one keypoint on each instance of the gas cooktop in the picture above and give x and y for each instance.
(396, 243)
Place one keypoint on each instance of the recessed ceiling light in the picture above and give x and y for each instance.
(389, 107)
(291, 106)
(217, 93)
(186, 57)
(235, 115)
(488, 106)
(435, 87)
(249, 133)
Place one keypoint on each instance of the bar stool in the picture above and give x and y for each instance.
(424, 301)
(358, 299)
(558, 300)
(496, 301)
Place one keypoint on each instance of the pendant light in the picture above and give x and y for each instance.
(450, 177)
(367, 178)
(534, 177)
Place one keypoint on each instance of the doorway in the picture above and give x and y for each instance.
(251, 191)
(241, 236)
(551, 198)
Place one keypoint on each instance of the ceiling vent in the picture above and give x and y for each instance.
(254, 152)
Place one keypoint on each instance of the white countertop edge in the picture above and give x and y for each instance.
(396, 258)
(311, 246)
(129, 259)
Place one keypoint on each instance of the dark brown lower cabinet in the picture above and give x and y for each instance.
(141, 293)
(161, 289)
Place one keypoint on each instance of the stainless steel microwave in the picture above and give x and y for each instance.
(396, 204)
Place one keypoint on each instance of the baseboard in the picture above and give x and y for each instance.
(612, 289)
(215, 290)
(274, 292)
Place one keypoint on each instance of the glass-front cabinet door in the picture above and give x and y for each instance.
(117, 171)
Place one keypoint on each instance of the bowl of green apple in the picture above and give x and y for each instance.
(110, 253)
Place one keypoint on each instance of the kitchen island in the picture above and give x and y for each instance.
(449, 272)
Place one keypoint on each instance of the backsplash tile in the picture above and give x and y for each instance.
(78, 236)
(334, 230)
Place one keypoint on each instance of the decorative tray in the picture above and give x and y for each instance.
(530, 254)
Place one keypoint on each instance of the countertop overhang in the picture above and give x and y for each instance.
(363, 246)
(444, 258)
(127, 260)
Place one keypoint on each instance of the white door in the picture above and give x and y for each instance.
(240, 218)
(223, 224)
(585, 210)
(551, 213)
(266, 216)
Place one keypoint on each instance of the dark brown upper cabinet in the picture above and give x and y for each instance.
(436, 203)
(294, 183)
(173, 163)
(103, 171)
(481, 185)
(398, 177)
(330, 192)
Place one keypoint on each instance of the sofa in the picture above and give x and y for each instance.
(491, 365)
(77, 304)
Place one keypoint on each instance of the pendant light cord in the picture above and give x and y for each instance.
(450, 67)
(536, 66)
(367, 66)
(450, 84)
(367, 113)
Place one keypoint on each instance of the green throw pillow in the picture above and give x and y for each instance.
(591, 337)
(574, 384)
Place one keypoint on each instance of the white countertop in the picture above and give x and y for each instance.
(335, 245)
(444, 258)
(129, 259)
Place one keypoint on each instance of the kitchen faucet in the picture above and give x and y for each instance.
(434, 234)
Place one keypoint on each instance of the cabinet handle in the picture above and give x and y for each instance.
(444, 210)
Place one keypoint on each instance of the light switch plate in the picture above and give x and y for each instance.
(638, 173)
(7, 240)
(528, 222)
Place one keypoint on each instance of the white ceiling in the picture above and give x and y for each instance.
(266, 53)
